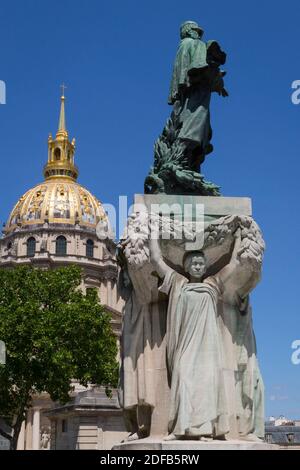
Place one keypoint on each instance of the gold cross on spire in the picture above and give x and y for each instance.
(63, 87)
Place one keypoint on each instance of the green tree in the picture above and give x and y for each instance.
(53, 333)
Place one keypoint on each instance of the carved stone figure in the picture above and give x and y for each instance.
(45, 438)
(193, 308)
(185, 140)
(199, 405)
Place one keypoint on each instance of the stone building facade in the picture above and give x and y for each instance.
(56, 223)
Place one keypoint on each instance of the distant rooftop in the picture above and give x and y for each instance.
(282, 435)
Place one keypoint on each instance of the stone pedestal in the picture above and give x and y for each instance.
(209, 225)
(214, 207)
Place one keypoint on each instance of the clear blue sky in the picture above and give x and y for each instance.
(116, 59)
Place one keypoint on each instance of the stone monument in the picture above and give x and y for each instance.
(189, 259)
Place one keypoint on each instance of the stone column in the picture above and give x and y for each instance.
(28, 438)
(109, 292)
(36, 429)
(21, 438)
(103, 291)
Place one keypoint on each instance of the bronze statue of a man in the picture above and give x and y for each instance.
(185, 140)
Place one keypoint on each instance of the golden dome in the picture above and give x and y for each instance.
(57, 202)
(59, 199)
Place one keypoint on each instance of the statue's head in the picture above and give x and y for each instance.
(194, 263)
(191, 29)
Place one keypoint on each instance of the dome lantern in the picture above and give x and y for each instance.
(61, 151)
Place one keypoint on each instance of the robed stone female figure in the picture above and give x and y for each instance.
(199, 401)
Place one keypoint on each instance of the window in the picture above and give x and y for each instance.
(290, 438)
(57, 154)
(91, 291)
(90, 249)
(31, 245)
(61, 246)
(64, 425)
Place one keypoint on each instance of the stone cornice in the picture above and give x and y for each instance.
(106, 270)
(54, 228)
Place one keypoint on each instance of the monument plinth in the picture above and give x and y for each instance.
(158, 444)
(232, 269)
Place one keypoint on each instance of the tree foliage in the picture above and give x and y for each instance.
(53, 333)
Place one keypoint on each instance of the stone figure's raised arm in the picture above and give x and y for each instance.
(156, 257)
(243, 271)
(226, 272)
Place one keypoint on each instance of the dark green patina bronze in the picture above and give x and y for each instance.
(185, 140)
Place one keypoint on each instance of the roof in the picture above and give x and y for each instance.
(56, 202)
(280, 434)
(89, 400)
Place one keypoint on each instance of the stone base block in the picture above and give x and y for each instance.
(153, 444)
(213, 207)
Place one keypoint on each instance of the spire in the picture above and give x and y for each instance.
(61, 150)
(62, 118)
